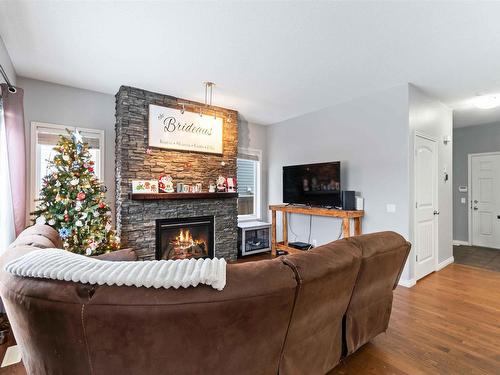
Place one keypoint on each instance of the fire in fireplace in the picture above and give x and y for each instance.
(185, 238)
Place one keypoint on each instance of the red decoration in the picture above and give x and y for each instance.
(66, 217)
(80, 196)
(91, 169)
(102, 205)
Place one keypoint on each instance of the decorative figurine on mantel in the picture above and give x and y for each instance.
(165, 184)
(211, 187)
(221, 184)
(231, 185)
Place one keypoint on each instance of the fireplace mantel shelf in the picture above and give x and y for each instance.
(170, 196)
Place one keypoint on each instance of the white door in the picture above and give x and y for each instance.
(426, 196)
(485, 196)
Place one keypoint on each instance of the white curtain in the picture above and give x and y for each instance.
(7, 228)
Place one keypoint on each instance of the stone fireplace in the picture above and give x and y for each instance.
(185, 238)
(136, 220)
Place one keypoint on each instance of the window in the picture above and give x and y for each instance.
(44, 138)
(248, 179)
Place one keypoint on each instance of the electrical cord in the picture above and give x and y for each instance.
(310, 227)
(290, 227)
(340, 232)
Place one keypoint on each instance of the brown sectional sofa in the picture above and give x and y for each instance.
(296, 314)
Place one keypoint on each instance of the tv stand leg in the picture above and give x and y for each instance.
(346, 228)
(357, 226)
(273, 233)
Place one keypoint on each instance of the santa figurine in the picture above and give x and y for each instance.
(165, 184)
(231, 185)
(221, 184)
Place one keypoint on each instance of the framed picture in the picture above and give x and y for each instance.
(144, 186)
(173, 129)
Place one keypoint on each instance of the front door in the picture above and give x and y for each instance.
(485, 195)
(426, 207)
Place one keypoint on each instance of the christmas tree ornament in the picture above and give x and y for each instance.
(74, 182)
(40, 220)
(64, 232)
(80, 196)
(77, 137)
(79, 223)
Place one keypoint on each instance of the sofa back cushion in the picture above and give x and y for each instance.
(326, 277)
(239, 330)
(383, 256)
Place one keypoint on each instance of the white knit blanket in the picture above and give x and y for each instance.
(59, 264)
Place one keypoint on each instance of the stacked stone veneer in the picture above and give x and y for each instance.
(136, 220)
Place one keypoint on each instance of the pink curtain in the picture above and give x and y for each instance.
(14, 130)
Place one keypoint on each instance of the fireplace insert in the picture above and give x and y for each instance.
(185, 238)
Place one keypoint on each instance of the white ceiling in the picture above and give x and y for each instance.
(271, 60)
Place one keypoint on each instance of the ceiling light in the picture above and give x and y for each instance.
(486, 101)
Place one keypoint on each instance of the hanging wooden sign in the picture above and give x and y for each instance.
(169, 128)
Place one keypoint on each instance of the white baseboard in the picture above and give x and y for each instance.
(460, 243)
(407, 283)
(445, 263)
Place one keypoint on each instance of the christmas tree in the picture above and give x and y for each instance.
(72, 200)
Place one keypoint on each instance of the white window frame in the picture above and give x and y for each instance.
(258, 181)
(36, 127)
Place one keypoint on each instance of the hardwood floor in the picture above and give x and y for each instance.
(449, 323)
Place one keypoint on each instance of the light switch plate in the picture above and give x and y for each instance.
(391, 207)
(463, 200)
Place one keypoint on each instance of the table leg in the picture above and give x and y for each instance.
(285, 228)
(346, 227)
(357, 226)
(273, 233)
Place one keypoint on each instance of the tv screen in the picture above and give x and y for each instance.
(312, 184)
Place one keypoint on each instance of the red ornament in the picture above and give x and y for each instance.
(80, 196)
(91, 169)
(66, 217)
(102, 205)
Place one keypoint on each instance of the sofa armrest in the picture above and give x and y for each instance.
(119, 255)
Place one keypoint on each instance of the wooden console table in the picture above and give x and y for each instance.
(285, 209)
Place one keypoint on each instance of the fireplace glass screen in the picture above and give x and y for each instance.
(185, 238)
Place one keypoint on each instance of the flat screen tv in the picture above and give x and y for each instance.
(312, 184)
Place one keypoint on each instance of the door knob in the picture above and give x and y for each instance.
(475, 201)
(436, 212)
(475, 208)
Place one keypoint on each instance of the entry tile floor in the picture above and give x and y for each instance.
(475, 256)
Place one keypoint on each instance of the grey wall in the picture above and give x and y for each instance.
(63, 105)
(370, 137)
(7, 63)
(469, 140)
(254, 136)
(430, 117)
